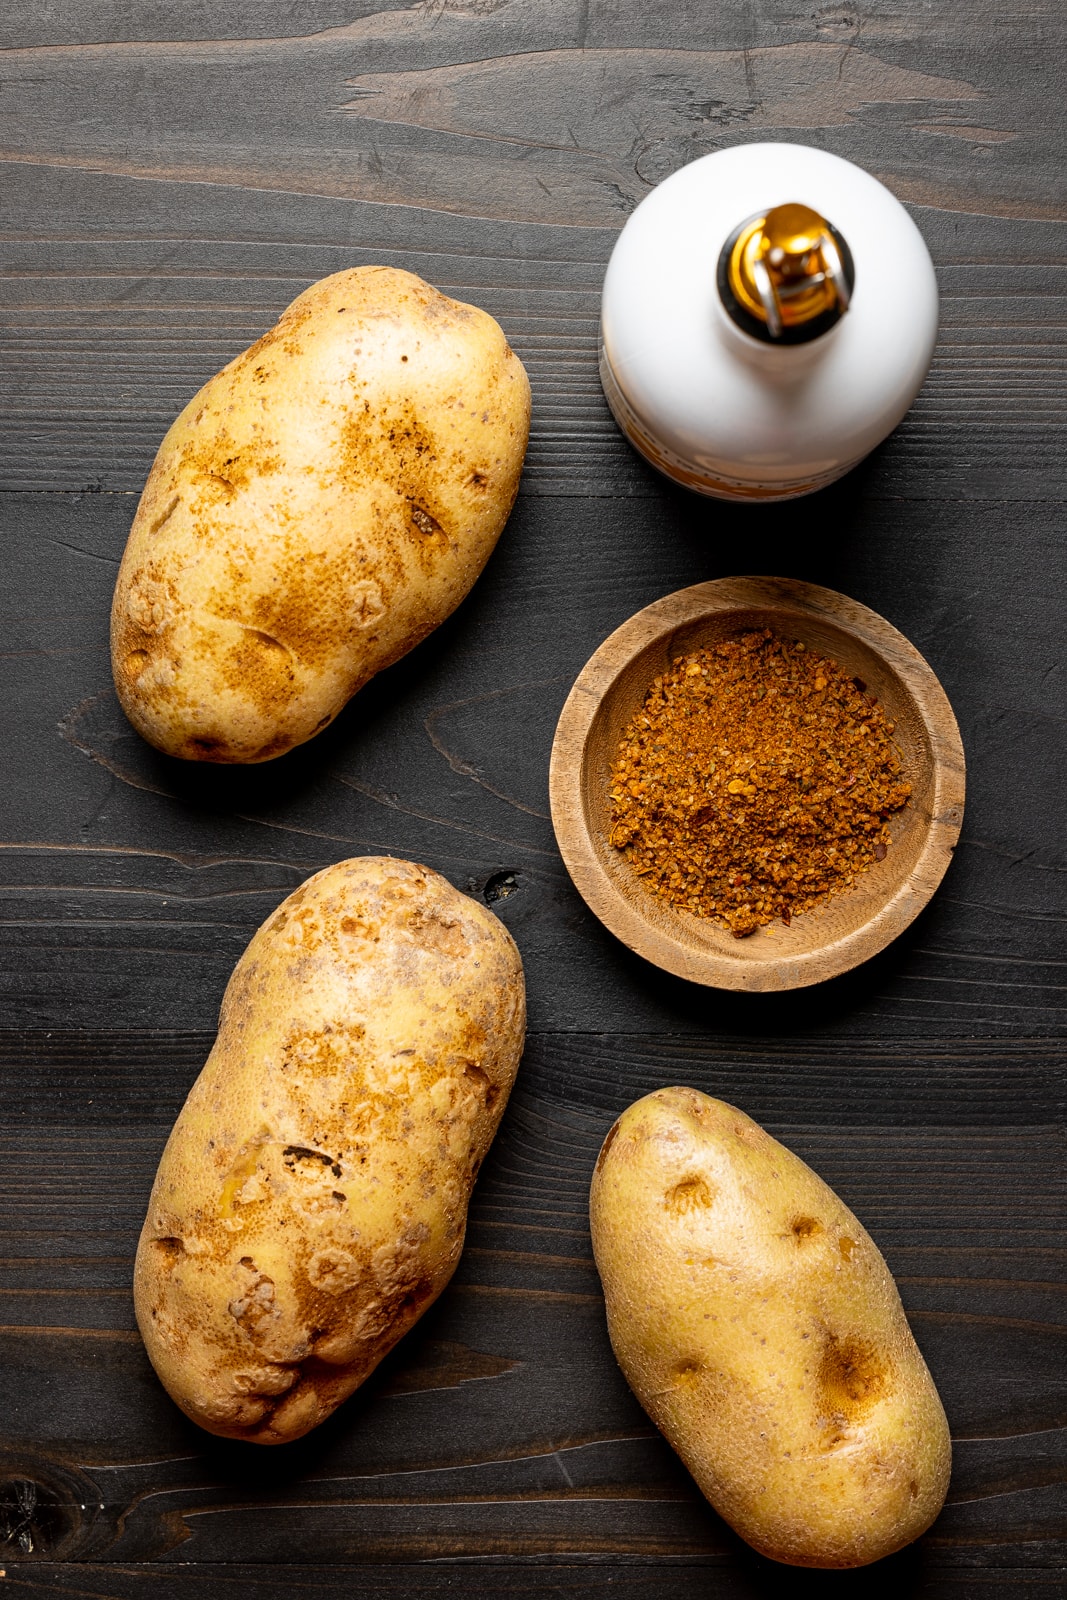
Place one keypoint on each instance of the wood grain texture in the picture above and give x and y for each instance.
(106, 338)
(166, 194)
(675, 1578)
(172, 175)
(576, 108)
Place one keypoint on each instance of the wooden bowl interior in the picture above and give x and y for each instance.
(842, 914)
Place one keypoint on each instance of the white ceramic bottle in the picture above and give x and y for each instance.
(769, 314)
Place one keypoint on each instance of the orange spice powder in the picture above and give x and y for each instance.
(756, 781)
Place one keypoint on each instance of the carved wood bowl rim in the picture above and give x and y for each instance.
(849, 928)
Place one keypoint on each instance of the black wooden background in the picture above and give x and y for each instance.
(172, 173)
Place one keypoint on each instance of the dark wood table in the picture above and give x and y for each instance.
(173, 174)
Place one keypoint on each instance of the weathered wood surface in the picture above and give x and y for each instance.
(170, 176)
(173, 176)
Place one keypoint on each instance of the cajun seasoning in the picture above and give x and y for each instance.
(756, 781)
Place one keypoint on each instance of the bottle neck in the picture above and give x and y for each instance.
(786, 276)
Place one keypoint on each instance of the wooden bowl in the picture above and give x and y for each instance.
(849, 927)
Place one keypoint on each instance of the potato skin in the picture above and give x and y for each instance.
(758, 1325)
(320, 506)
(311, 1200)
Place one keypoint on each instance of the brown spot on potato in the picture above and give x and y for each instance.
(216, 461)
(437, 932)
(165, 515)
(478, 480)
(396, 1268)
(151, 601)
(692, 1194)
(846, 1246)
(291, 321)
(480, 1080)
(253, 1308)
(269, 1381)
(243, 1166)
(367, 603)
(427, 528)
(417, 1295)
(313, 601)
(327, 1051)
(134, 664)
(748, 1133)
(267, 640)
(852, 1376)
(390, 443)
(306, 1163)
(333, 1271)
(264, 342)
(304, 930)
(612, 1135)
(274, 747)
(688, 1372)
(260, 669)
(337, 1347)
(170, 1249)
(401, 886)
(805, 1228)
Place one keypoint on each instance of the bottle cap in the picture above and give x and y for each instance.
(786, 274)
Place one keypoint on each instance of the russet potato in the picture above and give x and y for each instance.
(758, 1325)
(320, 506)
(311, 1200)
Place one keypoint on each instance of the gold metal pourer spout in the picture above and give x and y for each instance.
(785, 269)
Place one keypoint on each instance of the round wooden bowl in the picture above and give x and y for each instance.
(849, 927)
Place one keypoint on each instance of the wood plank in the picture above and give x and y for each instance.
(130, 883)
(497, 151)
(53, 22)
(565, 113)
(917, 1575)
(501, 1424)
(105, 339)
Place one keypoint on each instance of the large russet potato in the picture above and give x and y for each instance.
(311, 1201)
(323, 503)
(758, 1325)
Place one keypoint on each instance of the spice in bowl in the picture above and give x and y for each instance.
(756, 781)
